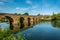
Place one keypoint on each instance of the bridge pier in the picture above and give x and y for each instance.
(26, 20)
(31, 20)
(15, 25)
(35, 20)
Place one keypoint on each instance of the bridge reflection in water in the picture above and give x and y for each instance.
(24, 26)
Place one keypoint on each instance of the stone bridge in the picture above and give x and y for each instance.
(22, 20)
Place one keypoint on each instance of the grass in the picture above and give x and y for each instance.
(8, 35)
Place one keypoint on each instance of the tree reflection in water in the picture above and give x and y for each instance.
(56, 23)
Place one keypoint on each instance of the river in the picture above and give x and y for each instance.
(42, 31)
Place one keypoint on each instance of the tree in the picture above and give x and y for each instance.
(56, 16)
(15, 13)
(38, 14)
(26, 13)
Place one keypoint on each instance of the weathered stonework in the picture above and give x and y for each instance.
(14, 19)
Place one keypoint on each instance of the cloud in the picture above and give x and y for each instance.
(34, 12)
(28, 2)
(20, 10)
(34, 7)
(23, 9)
(1, 3)
(7, 1)
(17, 8)
(46, 3)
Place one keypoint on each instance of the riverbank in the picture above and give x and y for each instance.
(45, 19)
(8, 35)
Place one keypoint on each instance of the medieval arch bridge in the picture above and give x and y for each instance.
(14, 19)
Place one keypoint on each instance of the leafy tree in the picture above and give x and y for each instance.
(38, 14)
(26, 13)
(15, 13)
(56, 16)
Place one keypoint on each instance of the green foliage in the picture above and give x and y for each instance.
(38, 15)
(15, 13)
(8, 35)
(56, 16)
(26, 13)
(19, 37)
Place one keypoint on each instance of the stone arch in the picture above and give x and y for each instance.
(21, 22)
(28, 21)
(9, 18)
(33, 21)
(10, 21)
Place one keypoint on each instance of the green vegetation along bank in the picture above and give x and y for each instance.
(8, 35)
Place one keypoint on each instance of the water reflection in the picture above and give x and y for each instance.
(42, 31)
(4, 25)
(10, 21)
(27, 26)
(56, 23)
(24, 28)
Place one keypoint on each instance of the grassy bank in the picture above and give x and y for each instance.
(45, 19)
(8, 35)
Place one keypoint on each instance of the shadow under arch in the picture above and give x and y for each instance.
(33, 21)
(28, 21)
(10, 21)
(21, 22)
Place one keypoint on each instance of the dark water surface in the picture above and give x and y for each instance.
(43, 31)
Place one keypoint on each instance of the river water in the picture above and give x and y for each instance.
(41, 31)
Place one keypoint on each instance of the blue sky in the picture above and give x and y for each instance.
(33, 7)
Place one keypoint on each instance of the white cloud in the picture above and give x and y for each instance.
(20, 9)
(45, 3)
(34, 7)
(23, 9)
(7, 1)
(1, 3)
(17, 8)
(28, 2)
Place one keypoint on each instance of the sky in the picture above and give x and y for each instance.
(33, 7)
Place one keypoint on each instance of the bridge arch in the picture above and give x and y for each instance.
(10, 21)
(33, 21)
(28, 21)
(21, 22)
(9, 18)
